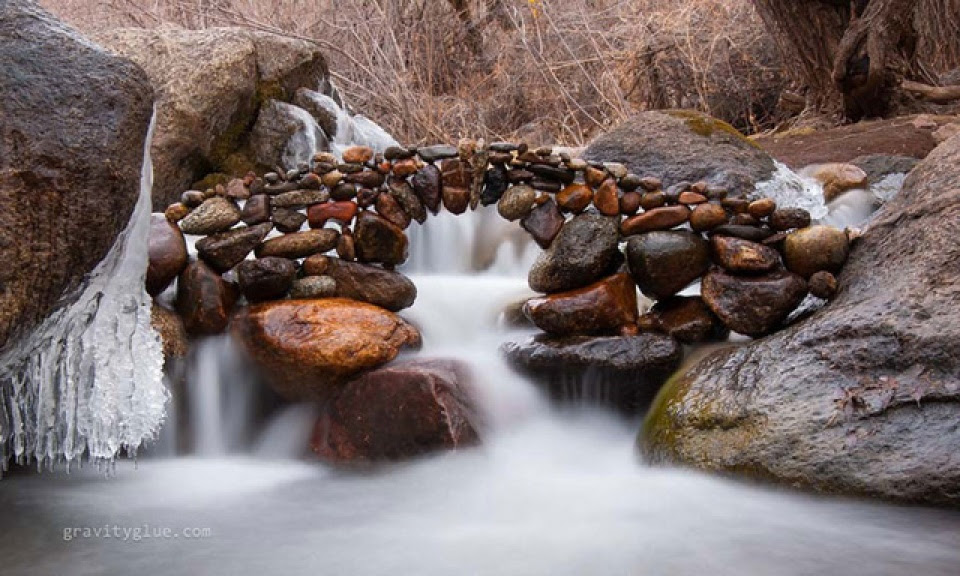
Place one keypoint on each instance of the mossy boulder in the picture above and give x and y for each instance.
(863, 397)
(210, 85)
(684, 145)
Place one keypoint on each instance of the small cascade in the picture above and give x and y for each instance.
(305, 142)
(88, 381)
(347, 129)
(788, 188)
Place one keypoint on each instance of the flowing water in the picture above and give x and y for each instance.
(551, 490)
(229, 489)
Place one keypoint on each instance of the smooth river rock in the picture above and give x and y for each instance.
(739, 255)
(862, 397)
(204, 299)
(225, 250)
(307, 349)
(399, 412)
(810, 250)
(267, 278)
(753, 305)
(385, 288)
(664, 263)
(603, 307)
(582, 252)
(167, 252)
(379, 240)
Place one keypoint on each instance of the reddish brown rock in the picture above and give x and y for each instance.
(630, 203)
(652, 200)
(762, 208)
(606, 199)
(347, 246)
(544, 223)
(404, 168)
(455, 199)
(204, 299)
(388, 207)
(299, 244)
(237, 189)
(307, 349)
(342, 212)
(167, 254)
(358, 154)
(575, 198)
(707, 216)
(656, 219)
(603, 307)
(739, 255)
(378, 240)
(688, 319)
(692, 198)
(399, 412)
(753, 305)
(823, 285)
(789, 218)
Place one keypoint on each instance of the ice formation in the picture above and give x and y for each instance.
(88, 380)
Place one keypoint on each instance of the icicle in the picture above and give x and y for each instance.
(89, 378)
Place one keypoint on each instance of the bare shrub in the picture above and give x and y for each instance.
(540, 70)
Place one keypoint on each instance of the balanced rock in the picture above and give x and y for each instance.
(167, 254)
(584, 250)
(399, 412)
(307, 349)
(544, 223)
(204, 299)
(378, 240)
(426, 184)
(688, 319)
(656, 219)
(517, 202)
(663, 263)
(299, 244)
(603, 307)
(739, 255)
(214, 215)
(753, 305)
(384, 288)
(816, 248)
(267, 278)
(225, 250)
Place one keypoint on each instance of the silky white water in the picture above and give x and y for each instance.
(230, 488)
(552, 490)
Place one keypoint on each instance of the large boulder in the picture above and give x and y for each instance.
(863, 397)
(622, 371)
(73, 122)
(684, 145)
(399, 412)
(307, 349)
(210, 85)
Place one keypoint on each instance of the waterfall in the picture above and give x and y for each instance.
(88, 380)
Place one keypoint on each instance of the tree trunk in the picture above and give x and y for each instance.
(851, 56)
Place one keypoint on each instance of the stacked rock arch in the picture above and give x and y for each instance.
(332, 233)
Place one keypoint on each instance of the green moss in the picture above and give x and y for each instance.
(238, 164)
(704, 125)
(211, 180)
(269, 91)
(658, 435)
